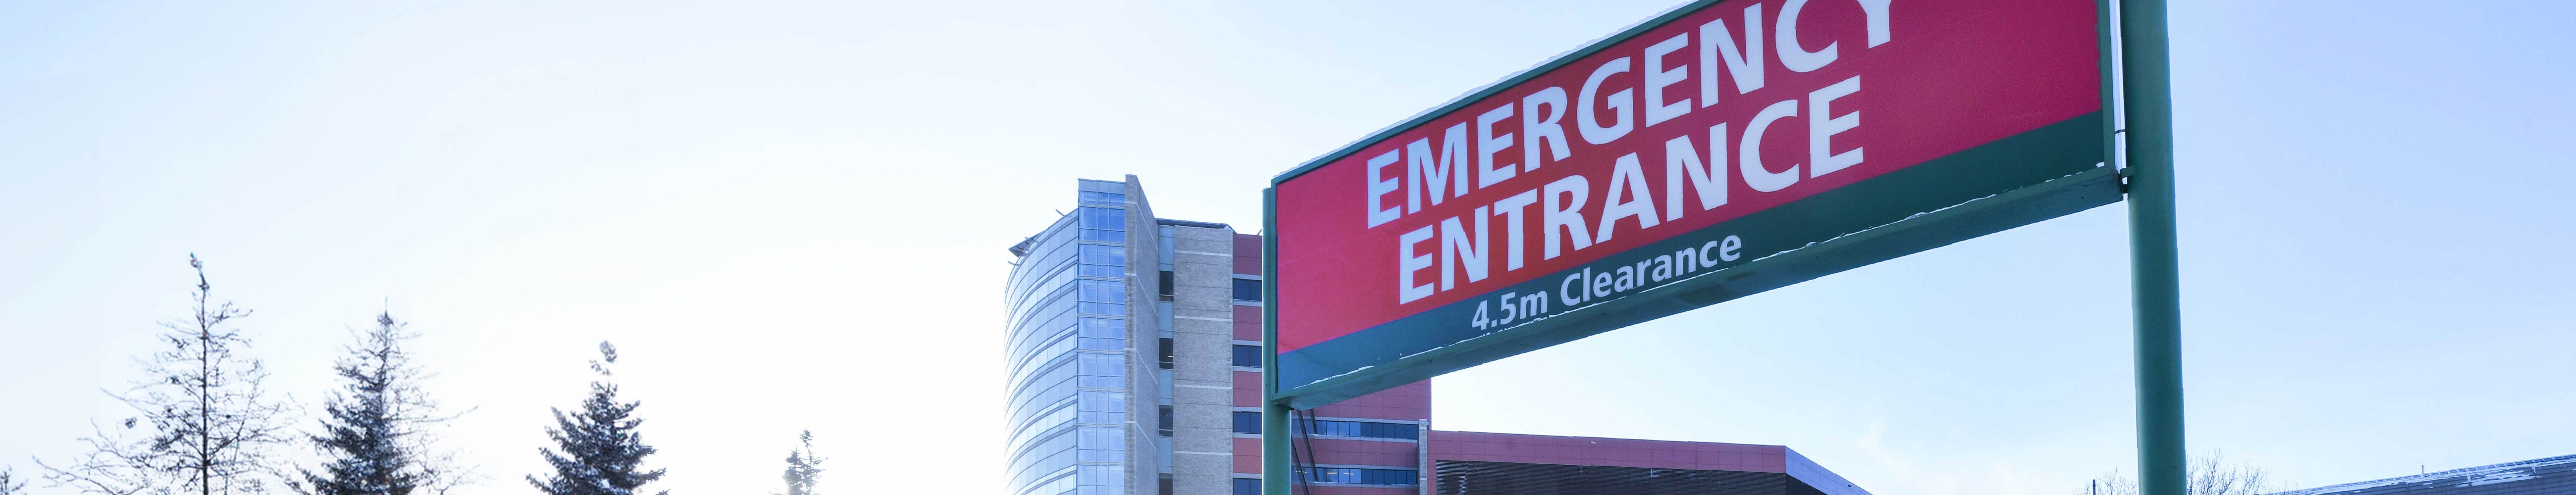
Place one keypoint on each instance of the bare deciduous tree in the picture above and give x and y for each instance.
(9, 484)
(202, 423)
(2209, 474)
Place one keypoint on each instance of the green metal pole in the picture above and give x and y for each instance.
(1275, 451)
(1276, 460)
(2155, 285)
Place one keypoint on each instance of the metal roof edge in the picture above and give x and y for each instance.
(2570, 458)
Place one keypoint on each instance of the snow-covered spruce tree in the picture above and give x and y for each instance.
(373, 440)
(207, 426)
(597, 450)
(803, 468)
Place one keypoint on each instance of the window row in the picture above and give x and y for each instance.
(1048, 252)
(1360, 476)
(1249, 423)
(1105, 198)
(1245, 356)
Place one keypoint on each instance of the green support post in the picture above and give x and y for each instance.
(1276, 454)
(2154, 273)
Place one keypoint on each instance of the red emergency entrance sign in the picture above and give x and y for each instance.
(1724, 149)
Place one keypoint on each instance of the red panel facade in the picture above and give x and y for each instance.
(1247, 455)
(1247, 256)
(1247, 323)
(1409, 402)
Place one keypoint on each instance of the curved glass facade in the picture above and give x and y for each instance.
(1065, 337)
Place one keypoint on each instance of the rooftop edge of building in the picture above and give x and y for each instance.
(1677, 454)
(2473, 475)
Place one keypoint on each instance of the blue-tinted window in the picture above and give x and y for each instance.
(1247, 356)
(1100, 475)
(1098, 308)
(1390, 430)
(1104, 218)
(1247, 422)
(1247, 486)
(1119, 236)
(1110, 198)
(1101, 364)
(1101, 445)
(1360, 476)
(1095, 254)
(1110, 344)
(1101, 291)
(1097, 407)
(1247, 290)
(1103, 327)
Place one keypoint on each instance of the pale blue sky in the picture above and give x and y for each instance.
(793, 215)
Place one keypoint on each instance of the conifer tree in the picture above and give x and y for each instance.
(597, 450)
(206, 425)
(803, 468)
(372, 436)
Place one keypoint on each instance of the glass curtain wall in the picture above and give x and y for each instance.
(1066, 339)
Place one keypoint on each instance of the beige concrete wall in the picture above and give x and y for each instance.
(1202, 355)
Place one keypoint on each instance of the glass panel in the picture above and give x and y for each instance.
(1101, 364)
(1247, 422)
(1248, 356)
(1104, 197)
(1103, 327)
(1104, 218)
(1100, 407)
(1103, 344)
(1101, 291)
(1117, 236)
(1095, 254)
(1100, 475)
(1095, 308)
(1247, 290)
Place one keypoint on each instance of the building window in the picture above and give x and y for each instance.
(1167, 353)
(1360, 476)
(1166, 425)
(1247, 422)
(1166, 285)
(1164, 484)
(1247, 486)
(1247, 290)
(1247, 356)
(1106, 198)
